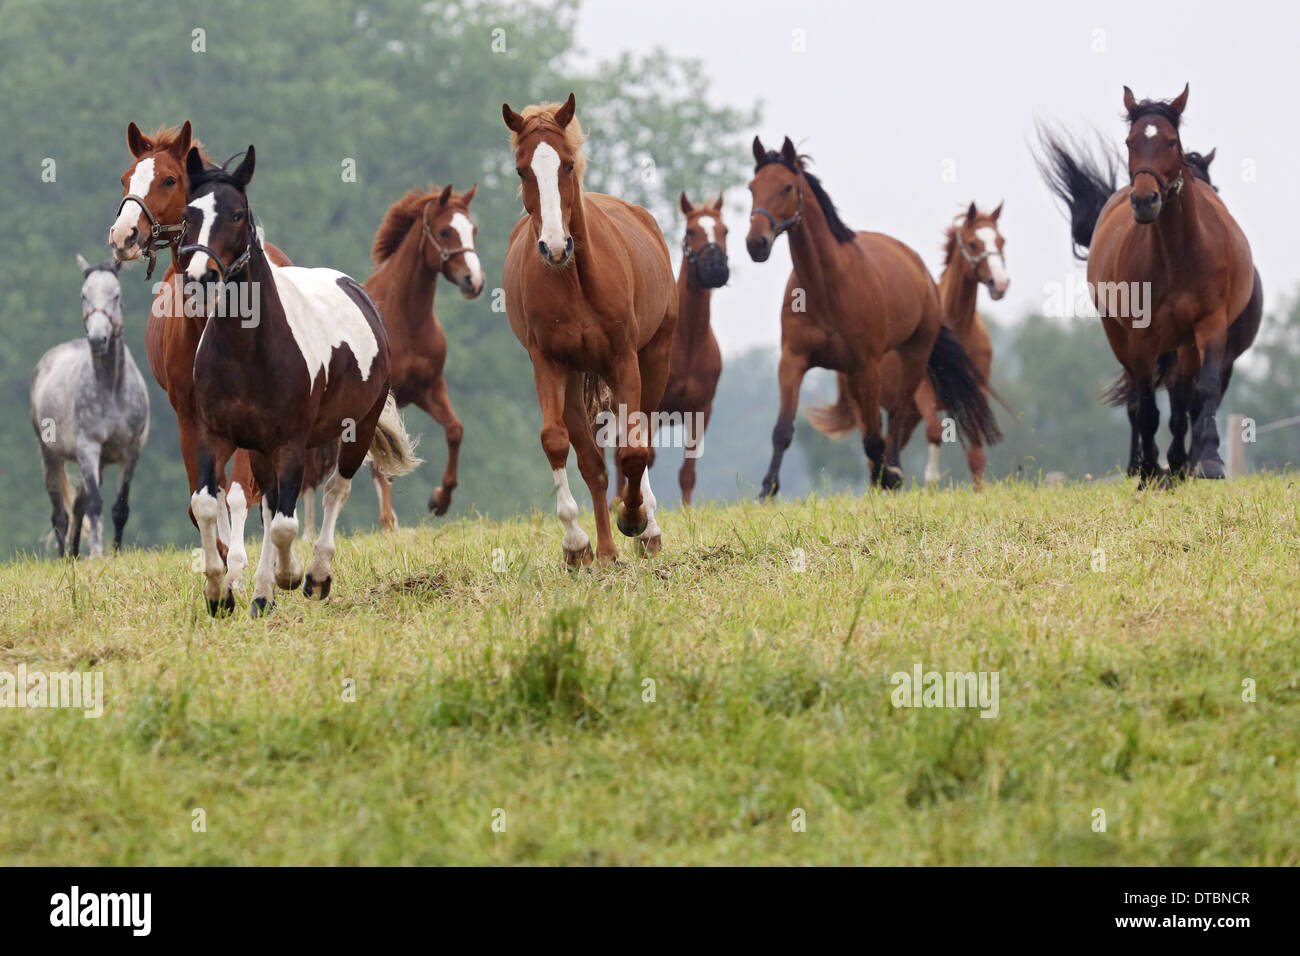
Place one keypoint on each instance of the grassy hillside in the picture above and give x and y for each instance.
(1121, 625)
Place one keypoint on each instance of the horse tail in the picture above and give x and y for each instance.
(960, 389)
(1122, 393)
(839, 419)
(1080, 182)
(392, 452)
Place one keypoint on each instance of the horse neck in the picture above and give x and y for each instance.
(958, 291)
(693, 304)
(1174, 228)
(814, 251)
(412, 281)
(109, 366)
(243, 343)
(584, 255)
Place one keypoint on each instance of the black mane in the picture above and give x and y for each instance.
(1154, 108)
(839, 230)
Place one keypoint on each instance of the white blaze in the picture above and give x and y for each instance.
(989, 236)
(127, 219)
(708, 225)
(546, 169)
(465, 229)
(207, 205)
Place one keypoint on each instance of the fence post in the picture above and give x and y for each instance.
(1236, 447)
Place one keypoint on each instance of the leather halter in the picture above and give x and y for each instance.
(784, 224)
(427, 233)
(975, 260)
(1171, 188)
(160, 234)
(241, 261)
(115, 323)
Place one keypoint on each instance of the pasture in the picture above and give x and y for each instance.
(493, 685)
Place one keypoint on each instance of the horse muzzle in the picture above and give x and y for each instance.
(1146, 208)
(759, 248)
(710, 265)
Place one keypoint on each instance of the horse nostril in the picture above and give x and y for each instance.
(543, 249)
(568, 246)
(135, 234)
(210, 277)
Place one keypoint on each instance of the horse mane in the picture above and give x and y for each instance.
(399, 219)
(1154, 108)
(542, 116)
(164, 137)
(1200, 167)
(839, 230)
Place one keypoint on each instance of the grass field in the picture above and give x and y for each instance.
(504, 716)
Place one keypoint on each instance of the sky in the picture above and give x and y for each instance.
(888, 97)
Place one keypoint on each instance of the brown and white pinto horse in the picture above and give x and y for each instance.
(589, 293)
(851, 298)
(1168, 237)
(424, 234)
(307, 368)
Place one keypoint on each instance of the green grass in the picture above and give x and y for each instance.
(523, 691)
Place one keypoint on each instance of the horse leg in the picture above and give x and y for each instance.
(88, 453)
(204, 507)
(865, 383)
(1211, 336)
(284, 522)
(308, 501)
(59, 489)
(122, 506)
(686, 477)
(384, 492)
(338, 488)
(1148, 419)
(927, 406)
(438, 404)
(591, 464)
(551, 382)
(790, 372)
(1180, 400)
(241, 493)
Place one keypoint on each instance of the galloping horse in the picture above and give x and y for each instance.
(589, 293)
(310, 368)
(89, 405)
(697, 360)
(423, 234)
(851, 298)
(1168, 238)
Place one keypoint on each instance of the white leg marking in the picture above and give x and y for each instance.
(205, 507)
(651, 504)
(264, 579)
(236, 557)
(337, 490)
(932, 467)
(284, 528)
(223, 517)
(308, 500)
(566, 509)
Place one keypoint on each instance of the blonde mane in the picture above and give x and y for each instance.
(542, 116)
(164, 137)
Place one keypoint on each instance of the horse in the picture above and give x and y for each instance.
(1177, 240)
(423, 234)
(697, 361)
(307, 367)
(89, 405)
(589, 294)
(850, 299)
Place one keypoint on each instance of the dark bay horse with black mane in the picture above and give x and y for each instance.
(307, 367)
(851, 298)
(589, 293)
(1167, 232)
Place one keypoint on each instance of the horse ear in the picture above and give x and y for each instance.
(182, 144)
(1209, 157)
(1179, 102)
(136, 141)
(788, 152)
(686, 204)
(564, 115)
(466, 199)
(446, 195)
(514, 121)
(996, 212)
(243, 174)
(1130, 101)
(717, 205)
(82, 263)
(972, 212)
(760, 153)
(193, 164)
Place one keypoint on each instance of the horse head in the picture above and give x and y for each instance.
(547, 141)
(705, 244)
(1155, 153)
(980, 243)
(447, 240)
(101, 303)
(154, 191)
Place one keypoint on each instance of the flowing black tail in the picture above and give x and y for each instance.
(1079, 181)
(960, 389)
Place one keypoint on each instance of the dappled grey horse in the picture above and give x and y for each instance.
(89, 405)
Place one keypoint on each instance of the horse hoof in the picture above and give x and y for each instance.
(1210, 468)
(223, 607)
(322, 588)
(439, 502)
(287, 582)
(580, 558)
(649, 547)
(632, 530)
(891, 477)
(260, 607)
(769, 490)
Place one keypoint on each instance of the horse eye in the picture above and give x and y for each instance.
(570, 168)
(974, 245)
(445, 233)
(788, 188)
(169, 182)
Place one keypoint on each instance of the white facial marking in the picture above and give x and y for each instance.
(989, 236)
(566, 509)
(546, 170)
(465, 229)
(207, 206)
(127, 219)
(322, 317)
(708, 224)
(1150, 131)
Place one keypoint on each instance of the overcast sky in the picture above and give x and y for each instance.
(887, 92)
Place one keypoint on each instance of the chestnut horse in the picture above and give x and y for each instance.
(1168, 241)
(1079, 175)
(309, 369)
(589, 293)
(423, 234)
(697, 360)
(850, 299)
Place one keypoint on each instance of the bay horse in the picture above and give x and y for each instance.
(307, 368)
(589, 293)
(1168, 233)
(697, 360)
(850, 299)
(424, 234)
(89, 405)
